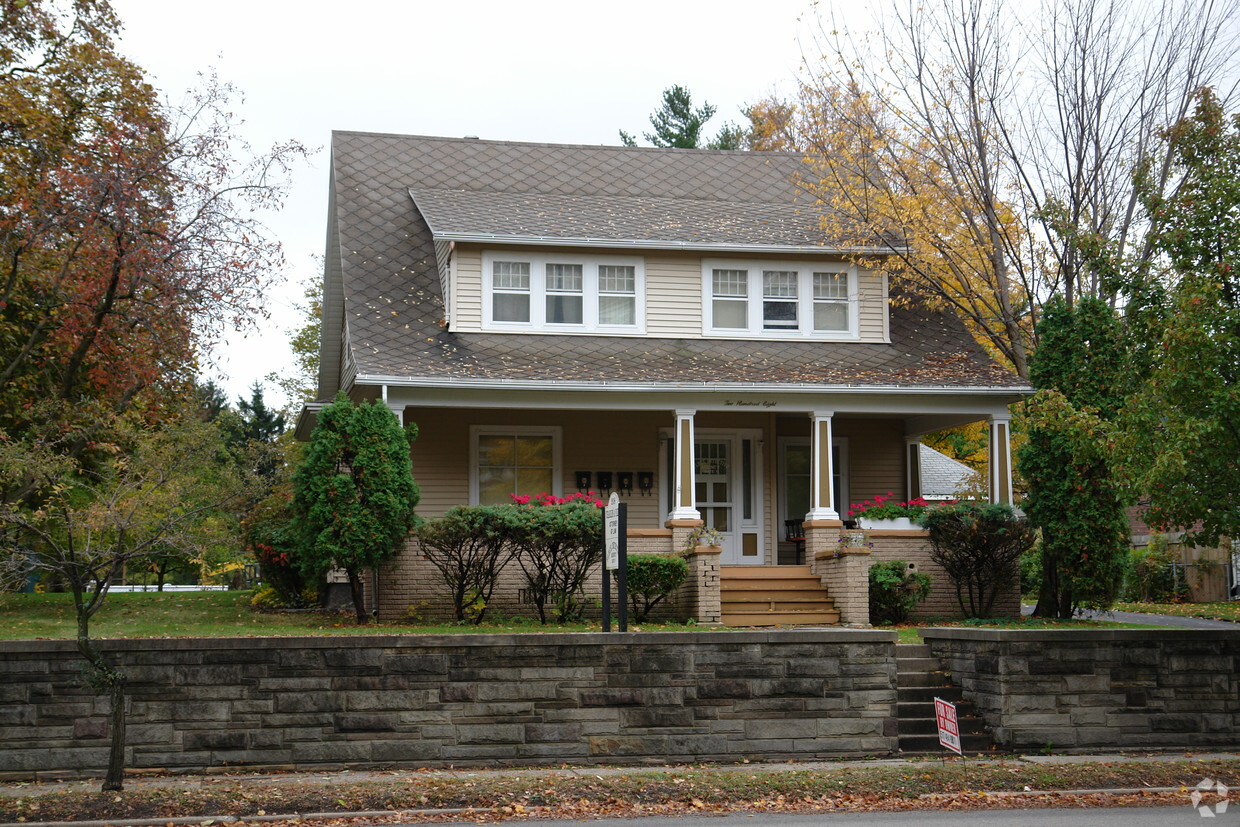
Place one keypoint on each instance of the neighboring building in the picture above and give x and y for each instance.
(943, 478)
(671, 324)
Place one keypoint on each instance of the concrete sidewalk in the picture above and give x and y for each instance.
(233, 776)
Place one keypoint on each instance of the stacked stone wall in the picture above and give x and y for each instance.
(1086, 690)
(460, 699)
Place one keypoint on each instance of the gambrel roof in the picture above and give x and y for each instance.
(394, 196)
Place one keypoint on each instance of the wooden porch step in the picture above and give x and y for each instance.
(763, 572)
(822, 618)
(774, 596)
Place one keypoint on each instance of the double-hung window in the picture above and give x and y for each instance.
(522, 460)
(563, 294)
(779, 300)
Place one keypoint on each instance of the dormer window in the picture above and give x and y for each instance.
(779, 300)
(563, 294)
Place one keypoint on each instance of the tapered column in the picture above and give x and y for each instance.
(821, 491)
(682, 443)
(912, 450)
(1000, 460)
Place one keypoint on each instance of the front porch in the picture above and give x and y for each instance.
(755, 476)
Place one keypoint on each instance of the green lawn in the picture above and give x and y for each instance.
(228, 614)
(1229, 610)
(223, 614)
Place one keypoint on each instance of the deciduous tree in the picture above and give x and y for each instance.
(153, 500)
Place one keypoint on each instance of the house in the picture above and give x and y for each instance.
(668, 324)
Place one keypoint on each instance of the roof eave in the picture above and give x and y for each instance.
(662, 244)
(603, 385)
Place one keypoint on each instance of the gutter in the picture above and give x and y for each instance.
(646, 387)
(653, 244)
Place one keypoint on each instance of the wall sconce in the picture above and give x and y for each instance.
(645, 482)
(583, 480)
(604, 480)
(624, 482)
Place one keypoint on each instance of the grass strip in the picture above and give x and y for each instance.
(690, 788)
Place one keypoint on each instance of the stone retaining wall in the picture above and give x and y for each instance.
(460, 699)
(1084, 689)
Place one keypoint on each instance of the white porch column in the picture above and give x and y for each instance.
(1000, 460)
(683, 472)
(820, 490)
(912, 450)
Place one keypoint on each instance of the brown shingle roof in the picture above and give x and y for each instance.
(394, 310)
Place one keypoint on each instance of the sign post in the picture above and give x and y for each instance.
(949, 726)
(615, 555)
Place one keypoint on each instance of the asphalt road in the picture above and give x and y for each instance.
(1152, 619)
(1102, 817)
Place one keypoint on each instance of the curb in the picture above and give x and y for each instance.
(230, 819)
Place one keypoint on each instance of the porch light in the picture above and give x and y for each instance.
(645, 482)
(583, 480)
(624, 482)
(604, 480)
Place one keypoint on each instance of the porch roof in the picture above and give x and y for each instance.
(928, 349)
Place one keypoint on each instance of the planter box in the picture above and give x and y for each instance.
(894, 524)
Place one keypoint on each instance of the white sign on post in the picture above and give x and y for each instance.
(611, 531)
(949, 726)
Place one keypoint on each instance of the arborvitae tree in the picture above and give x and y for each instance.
(1083, 377)
(354, 494)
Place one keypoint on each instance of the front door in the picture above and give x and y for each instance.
(725, 486)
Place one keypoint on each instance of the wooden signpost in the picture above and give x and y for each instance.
(615, 555)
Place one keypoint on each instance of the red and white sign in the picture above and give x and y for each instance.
(949, 728)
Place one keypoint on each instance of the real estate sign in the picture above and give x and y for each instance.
(949, 727)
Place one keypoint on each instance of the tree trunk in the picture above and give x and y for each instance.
(115, 779)
(359, 597)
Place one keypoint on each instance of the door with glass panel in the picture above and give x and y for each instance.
(726, 494)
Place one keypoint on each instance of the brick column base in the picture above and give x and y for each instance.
(844, 571)
(699, 594)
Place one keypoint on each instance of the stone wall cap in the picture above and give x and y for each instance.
(1081, 635)
(460, 641)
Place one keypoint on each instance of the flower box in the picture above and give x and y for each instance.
(893, 524)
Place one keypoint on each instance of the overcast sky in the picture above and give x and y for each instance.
(538, 70)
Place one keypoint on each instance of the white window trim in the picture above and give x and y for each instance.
(557, 438)
(805, 301)
(590, 293)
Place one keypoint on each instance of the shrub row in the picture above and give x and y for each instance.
(556, 542)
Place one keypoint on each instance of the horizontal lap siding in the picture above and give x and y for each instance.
(468, 289)
(674, 296)
(875, 457)
(673, 293)
(872, 309)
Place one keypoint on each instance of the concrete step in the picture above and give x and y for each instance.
(969, 742)
(929, 693)
(930, 726)
(913, 650)
(918, 664)
(921, 710)
(910, 680)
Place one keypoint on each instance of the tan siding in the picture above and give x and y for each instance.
(468, 290)
(673, 293)
(872, 308)
(875, 457)
(674, 296)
